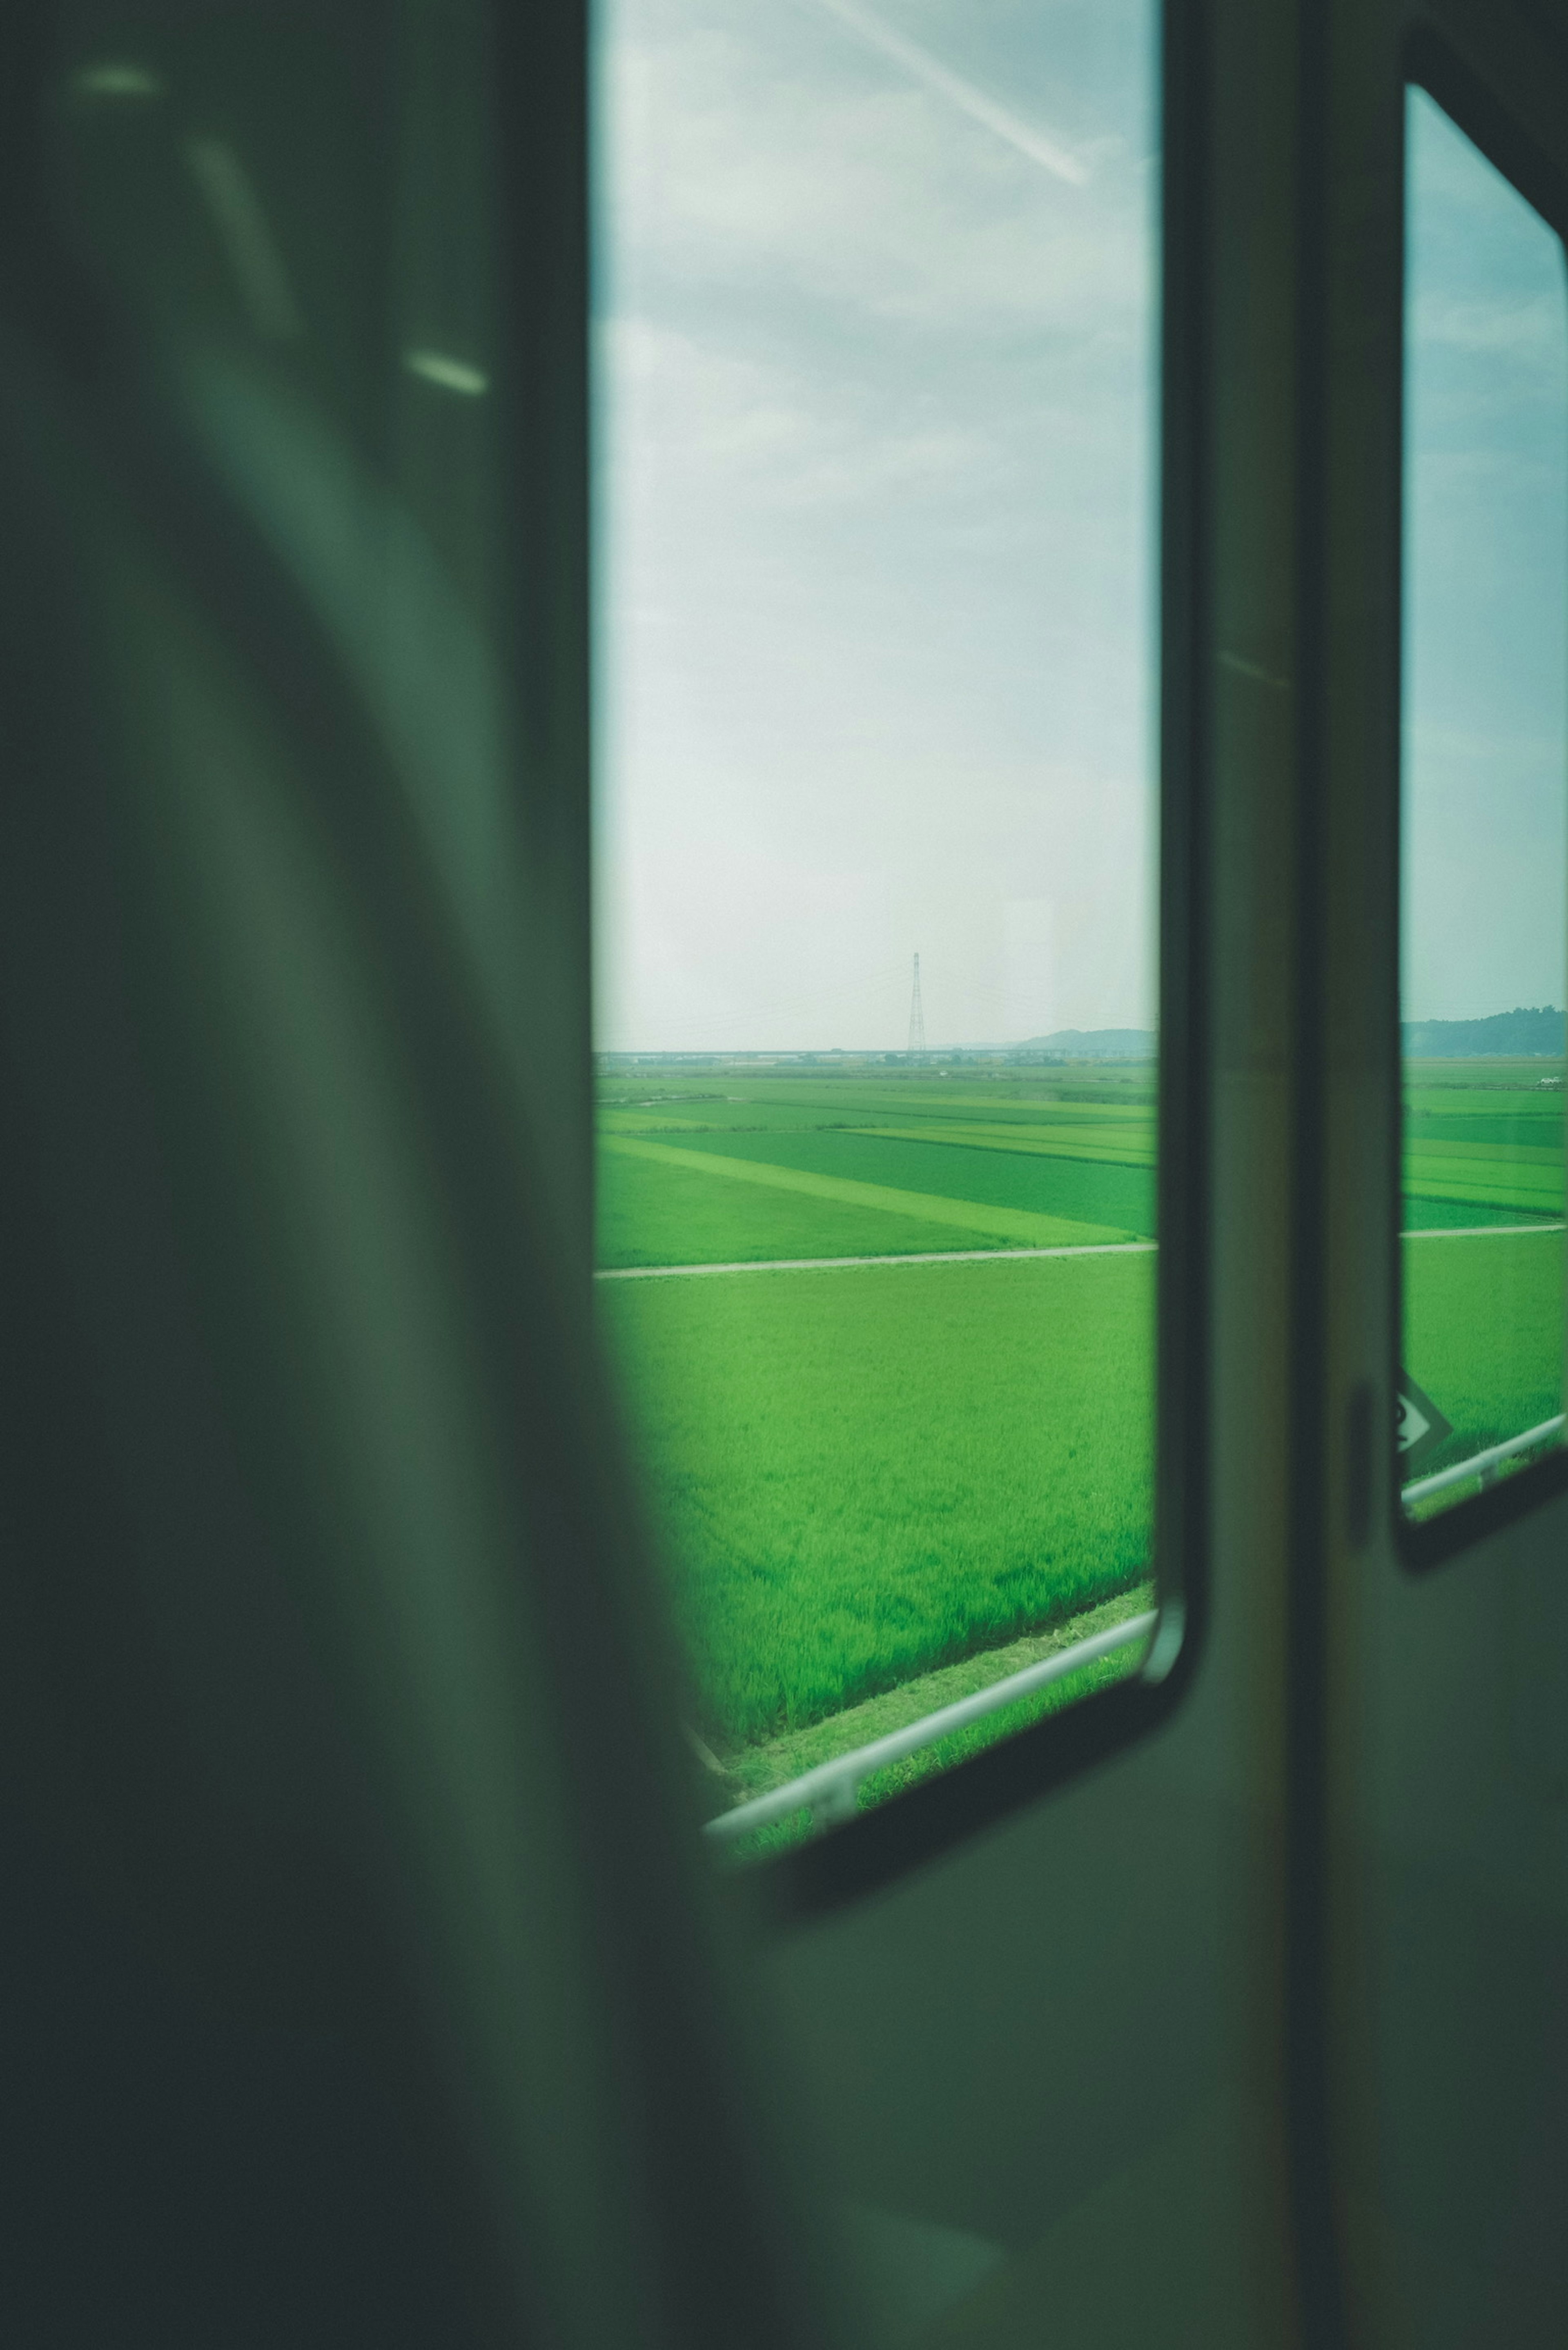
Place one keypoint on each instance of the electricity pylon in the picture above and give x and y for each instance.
(917, 1017)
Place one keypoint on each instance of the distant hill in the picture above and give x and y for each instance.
(1100, 1043)
(1526, 1033)
(1529, 1032)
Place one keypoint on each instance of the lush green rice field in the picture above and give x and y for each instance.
(870, 1473)
(1483, 1317)
(862, 1166)
(1483, 1135)
(880, 1484)
(1042, 1212)
(660, 1212)
(1483, 1333)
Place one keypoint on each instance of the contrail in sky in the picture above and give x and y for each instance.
(953, 87)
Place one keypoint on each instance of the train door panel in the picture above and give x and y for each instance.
(1386, 2107)
(1229, 2006)
(1448, 2091)
(1059, 2054)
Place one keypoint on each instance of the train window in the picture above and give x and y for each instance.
(876, 834)
(1484, 828)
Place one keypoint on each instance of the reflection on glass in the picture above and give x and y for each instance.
(1484, 935)
(876, 832)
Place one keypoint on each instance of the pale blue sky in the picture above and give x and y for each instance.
(1486, 588)
(875, 498)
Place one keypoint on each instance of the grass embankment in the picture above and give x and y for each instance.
(869, 1473)
(757, 1769)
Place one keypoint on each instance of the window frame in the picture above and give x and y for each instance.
(1480, 112)
(840, 1863)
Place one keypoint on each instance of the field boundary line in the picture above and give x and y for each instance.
(963, 1140)
(828, 1789)
(1475, 1232)
(843, 1263)
(999, 1256)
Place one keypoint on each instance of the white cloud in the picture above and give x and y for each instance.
(879, 194)
(695, 421)
(1521, 326)
(875, 417)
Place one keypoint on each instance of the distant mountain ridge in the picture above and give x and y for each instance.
(1529, 1032)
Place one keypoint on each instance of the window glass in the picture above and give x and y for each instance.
(1484, 938)
(876, 842)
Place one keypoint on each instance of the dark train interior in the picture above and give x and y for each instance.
(376, 1970)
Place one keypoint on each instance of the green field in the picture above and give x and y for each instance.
(880, 1484)
(883, 1485)
(1483, 1134)
(1483, 1317)
(869, 1167)
(1483, 1333)
(872, 1472)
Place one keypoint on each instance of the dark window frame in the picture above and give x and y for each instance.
(1483, 115)
(840, 1864)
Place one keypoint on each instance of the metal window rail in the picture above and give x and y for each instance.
(828, 1790)
(1481, 1464)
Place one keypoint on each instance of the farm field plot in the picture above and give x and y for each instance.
(1487, 1180)
(868, 1473)
(882, 1485)
(981, 1196)
(652, 1211)
(1483, 1333)
(875, 1155)
(1483, 1315)
(1485, 1136)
